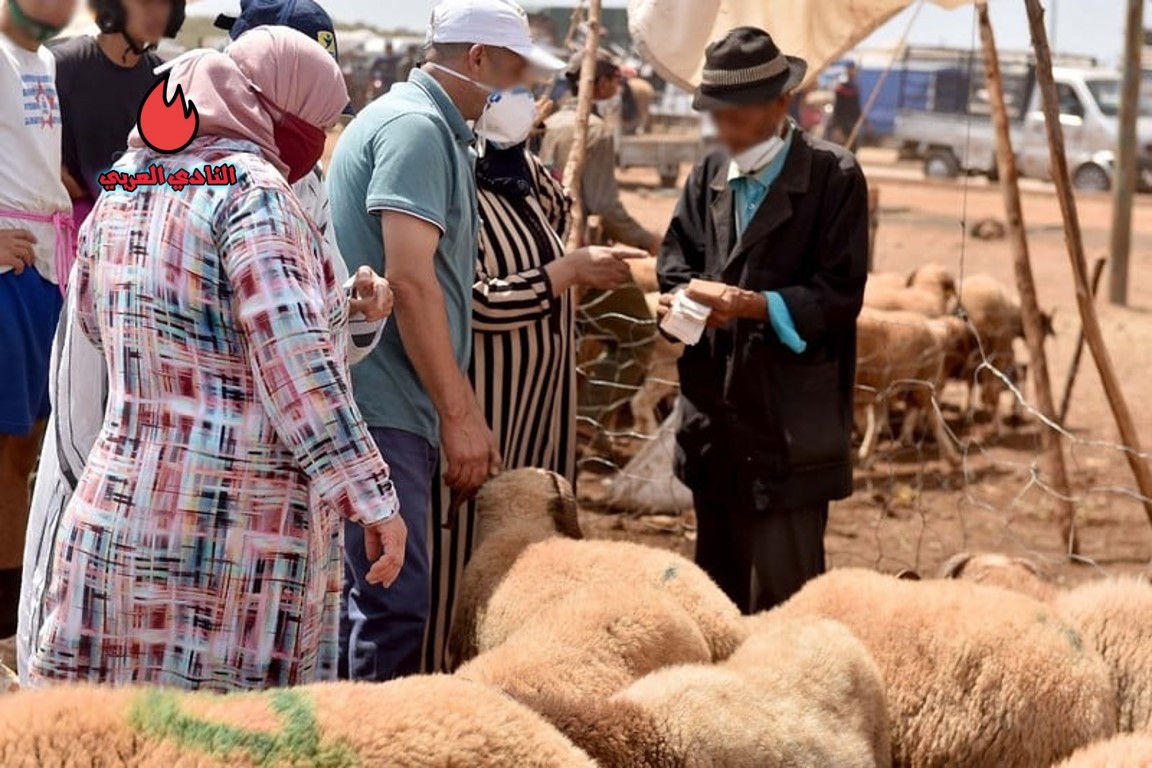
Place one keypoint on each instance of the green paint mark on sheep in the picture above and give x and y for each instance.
(669, 573)
(157, 714)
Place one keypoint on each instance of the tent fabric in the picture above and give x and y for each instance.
(671, 35)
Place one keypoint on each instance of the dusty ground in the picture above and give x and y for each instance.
(911, 511)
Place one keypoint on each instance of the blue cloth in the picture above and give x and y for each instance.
(382, 630)
(29, 310)
(748, 193)
(408, 151)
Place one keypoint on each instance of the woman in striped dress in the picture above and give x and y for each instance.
(201, 548)
(523, 361)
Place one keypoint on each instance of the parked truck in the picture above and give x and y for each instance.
(951, 142)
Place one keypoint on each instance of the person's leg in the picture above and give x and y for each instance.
(723, 548)
(788, 551)
(382, 630)
(29, 310)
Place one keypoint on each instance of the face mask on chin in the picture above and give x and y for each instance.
(757, 157)
(508, 115)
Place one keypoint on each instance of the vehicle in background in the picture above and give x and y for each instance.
(952, 134)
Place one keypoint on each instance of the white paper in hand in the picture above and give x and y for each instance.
(686, 319)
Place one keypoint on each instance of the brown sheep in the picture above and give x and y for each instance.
(1127, 751)
(1114, 616)
(416, 722)
(898, 353)
(1015, 573)
(938, 280)
(587, 646)
(522, 565)
(975, 675)
(796, 692)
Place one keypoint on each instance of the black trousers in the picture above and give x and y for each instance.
(759, 557)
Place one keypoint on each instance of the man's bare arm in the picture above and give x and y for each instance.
(422, 320)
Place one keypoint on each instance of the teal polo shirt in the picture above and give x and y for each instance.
(409, 151)
(748, 192)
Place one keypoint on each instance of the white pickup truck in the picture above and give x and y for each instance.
(951, 144)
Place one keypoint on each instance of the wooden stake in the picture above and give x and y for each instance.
(1034, 326)
(1127, 156)
(574, 168)
(1075, 243)
(1074, 367)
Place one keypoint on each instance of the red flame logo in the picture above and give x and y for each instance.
(167, 126)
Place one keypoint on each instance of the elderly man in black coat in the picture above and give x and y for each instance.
(771, 233)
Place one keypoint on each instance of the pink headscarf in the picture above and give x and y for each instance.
(290, 69)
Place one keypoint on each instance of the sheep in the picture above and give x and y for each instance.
(922, 302)
(935, 279)
(1127, 751)
(547, 572)
(797, 692)
(661, 380)
(975, 675)
(521, 566)
(1015, 573)
(898, 351)
(1114, 616)
(891, 280)
(586, 646)
(415, 722)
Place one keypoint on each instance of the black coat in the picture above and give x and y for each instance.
(747, 399)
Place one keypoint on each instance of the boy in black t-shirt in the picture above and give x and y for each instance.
(101, 82)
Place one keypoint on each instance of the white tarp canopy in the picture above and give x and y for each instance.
(672, 34)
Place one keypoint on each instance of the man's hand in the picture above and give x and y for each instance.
(470, 450)
(665, 305)
(371, 295)
(384, 545)
(17, 252)
(656, 244)
(727, 302)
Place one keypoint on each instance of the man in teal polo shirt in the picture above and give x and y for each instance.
(403, 197)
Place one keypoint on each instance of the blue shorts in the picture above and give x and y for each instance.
(29, 310)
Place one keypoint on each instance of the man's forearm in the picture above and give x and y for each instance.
(422, 321)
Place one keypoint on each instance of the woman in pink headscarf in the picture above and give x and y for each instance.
(201, 548)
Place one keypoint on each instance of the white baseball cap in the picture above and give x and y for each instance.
(499, 23)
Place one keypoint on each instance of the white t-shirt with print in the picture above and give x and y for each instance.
(31, 146)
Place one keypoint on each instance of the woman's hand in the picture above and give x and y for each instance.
(598, 266)
(371, 295)
(384, 544)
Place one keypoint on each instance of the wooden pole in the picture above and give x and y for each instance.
(1075, 243)
(1074, 366)
(1127, 156)
(574, 168)
(1034, 330)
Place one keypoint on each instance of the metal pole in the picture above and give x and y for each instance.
(1034, 330)
(1075, 243)
(1127, 156)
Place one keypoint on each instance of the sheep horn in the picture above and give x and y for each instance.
(564, 509)
(908, 574)
(955, 565)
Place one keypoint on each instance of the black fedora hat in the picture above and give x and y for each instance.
(745, 67)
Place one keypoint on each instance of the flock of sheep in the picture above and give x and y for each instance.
(575, 652)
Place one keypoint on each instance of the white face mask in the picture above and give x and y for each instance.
(756, 158)
(605, 107)
(509, 115)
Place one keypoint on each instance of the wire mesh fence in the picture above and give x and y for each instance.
(947, 436)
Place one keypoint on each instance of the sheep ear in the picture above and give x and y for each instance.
(908, 574)
(955, 565)
(563, 508)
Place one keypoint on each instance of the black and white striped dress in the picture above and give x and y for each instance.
(523, 364)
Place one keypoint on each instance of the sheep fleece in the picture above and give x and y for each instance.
(417, 722)
(546, 572)
(1127, 751)
(975, 676)
(1115, 618)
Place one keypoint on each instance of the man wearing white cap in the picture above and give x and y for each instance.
(403, 196)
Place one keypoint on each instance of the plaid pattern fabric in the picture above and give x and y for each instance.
(190, 555)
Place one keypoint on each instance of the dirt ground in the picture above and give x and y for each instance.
(911, 510)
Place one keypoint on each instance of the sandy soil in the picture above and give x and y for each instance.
(911, 511)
